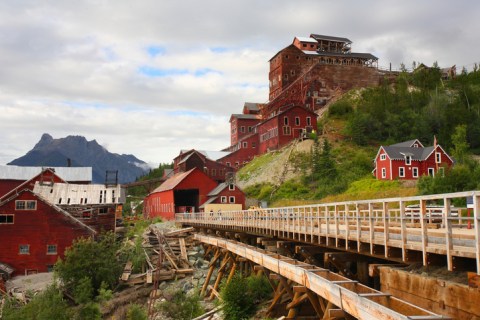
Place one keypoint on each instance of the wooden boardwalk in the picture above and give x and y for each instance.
(408, 229)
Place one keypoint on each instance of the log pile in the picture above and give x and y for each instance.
(165, 256)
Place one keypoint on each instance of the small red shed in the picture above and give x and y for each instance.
(184, 192)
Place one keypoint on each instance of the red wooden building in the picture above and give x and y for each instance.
(223, 197)
(410, 160)
(184, 192)
(205, 161)
(34, 233)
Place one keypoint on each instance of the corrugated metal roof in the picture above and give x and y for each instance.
(252, 106)
(408, 143)
(329, 38)
(306, 39)
(398, 153)
(346, 55)
(217, 189)
(9, 172)
(80, 194)
(173, 181)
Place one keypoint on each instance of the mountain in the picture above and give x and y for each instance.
(83, 153)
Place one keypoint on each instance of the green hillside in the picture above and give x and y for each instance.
(338, 166)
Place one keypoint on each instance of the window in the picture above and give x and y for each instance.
(383, 157)
(237, 164)
(221, 173)
(285, 121)
(292, 72)
(441, 171)
(6, 218)
(231, 187)
(431, 172)
(286, 131)
(415, 145)
(254, 145)
(24, 249)
(250, 129)
(231, 199)
(228, 164)
(25, 205)
(113, 197)
(415, 172)
(51, 249)
(245, 144)
(384, 172)
(242, 129)
(309, 121)
(223, 199)
(214, 172)
(438, 157)
(401, 172)
(408, 160)
(60, 201)
(297, 121)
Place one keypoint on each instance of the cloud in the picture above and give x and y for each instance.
(150, 78)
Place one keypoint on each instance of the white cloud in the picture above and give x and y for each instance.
(73, 68)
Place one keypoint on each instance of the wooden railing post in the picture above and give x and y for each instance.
(448, 232)
(476, 221)
(423, 217)
(403, 230)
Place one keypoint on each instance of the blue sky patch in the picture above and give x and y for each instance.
(219, 49)
(154, 51)
(157, 72)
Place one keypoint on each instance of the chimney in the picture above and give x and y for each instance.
(69, 162)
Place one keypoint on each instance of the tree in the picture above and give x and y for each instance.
(460, 144)
(90, 259)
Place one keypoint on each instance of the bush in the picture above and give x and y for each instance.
(182, 306)
(340, 108)
(45, 306)
(136, 312)
(241, 295)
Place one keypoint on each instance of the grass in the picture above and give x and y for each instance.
(257, 164)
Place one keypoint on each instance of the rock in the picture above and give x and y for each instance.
(187, 286)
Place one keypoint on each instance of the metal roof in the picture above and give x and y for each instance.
(408, 143)
(399, 153)
(306, 39)
(345, 55)
(83, 194)
(218, 189)
(252, 106)
(245, 116)
(9, 172)
(173, 181)
(329, 38)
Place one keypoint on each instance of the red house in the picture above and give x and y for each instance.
(410, 160)
(34, 233)
(184, 192)
(224, 197)
(205, 161)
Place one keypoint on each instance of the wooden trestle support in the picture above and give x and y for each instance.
(299, 286)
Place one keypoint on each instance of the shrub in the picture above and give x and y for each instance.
(182, 306)
(340, 108)
(136, 312)
(241, 295)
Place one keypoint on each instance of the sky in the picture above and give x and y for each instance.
(151, 78)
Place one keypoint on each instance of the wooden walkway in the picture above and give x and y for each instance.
(401, 229)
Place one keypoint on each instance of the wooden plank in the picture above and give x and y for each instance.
(179, 232)
(183, 249)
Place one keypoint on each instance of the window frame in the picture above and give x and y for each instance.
(401, 172)
(408, 160)
(383, 157)
(415, 172)
(223, 199)
(51, 252)
(297, 121)
(384, 172)
(7, 216)
(231, 199)
(25, 205)
(22, 247)
(438, 157)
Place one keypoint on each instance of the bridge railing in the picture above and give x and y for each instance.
(426, 224)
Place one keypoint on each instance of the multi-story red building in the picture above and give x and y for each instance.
(410, 160)
(205, 161)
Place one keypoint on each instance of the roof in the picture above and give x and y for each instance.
(251, 106)
(306, 39)
(329, 38)
(408, 143)
(245, 116)
(218, 189)
(343, 55)
(173, 181)
(80, 193)
(212, 155)
(399, 153)
(9, 172)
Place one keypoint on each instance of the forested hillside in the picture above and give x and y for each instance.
(412, 105)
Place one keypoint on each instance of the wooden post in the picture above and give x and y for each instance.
(371, 226)
(476, 219)
(359, 229)
(403, 230)
(336, 225)
(448, 232)
(423, 216)
(347, 226)
(386, 226)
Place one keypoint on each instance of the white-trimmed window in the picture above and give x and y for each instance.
(228, 164)
(408, 160)
(223, 199)
(309, 121)
(415, 172)
(297, 121)
(231, 187)
(214, 172)
(231, 199)
(25, 205)
(51, 249)
(441, 171)
(383, 157)
(254, 145)
(24, 249)
(6, 218)
(438, 157)
(242, 129)
(245, 144)
(401, 172)
(285, 121)
(431, 172)
(384, 172)
(287, 131)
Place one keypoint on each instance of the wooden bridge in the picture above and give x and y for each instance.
(426, 229)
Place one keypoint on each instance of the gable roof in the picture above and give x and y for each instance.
(212, 155)
(10, 172)
(408, 143)
(329, 38)
(218, 189)
(173, 181)
(399, 153)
